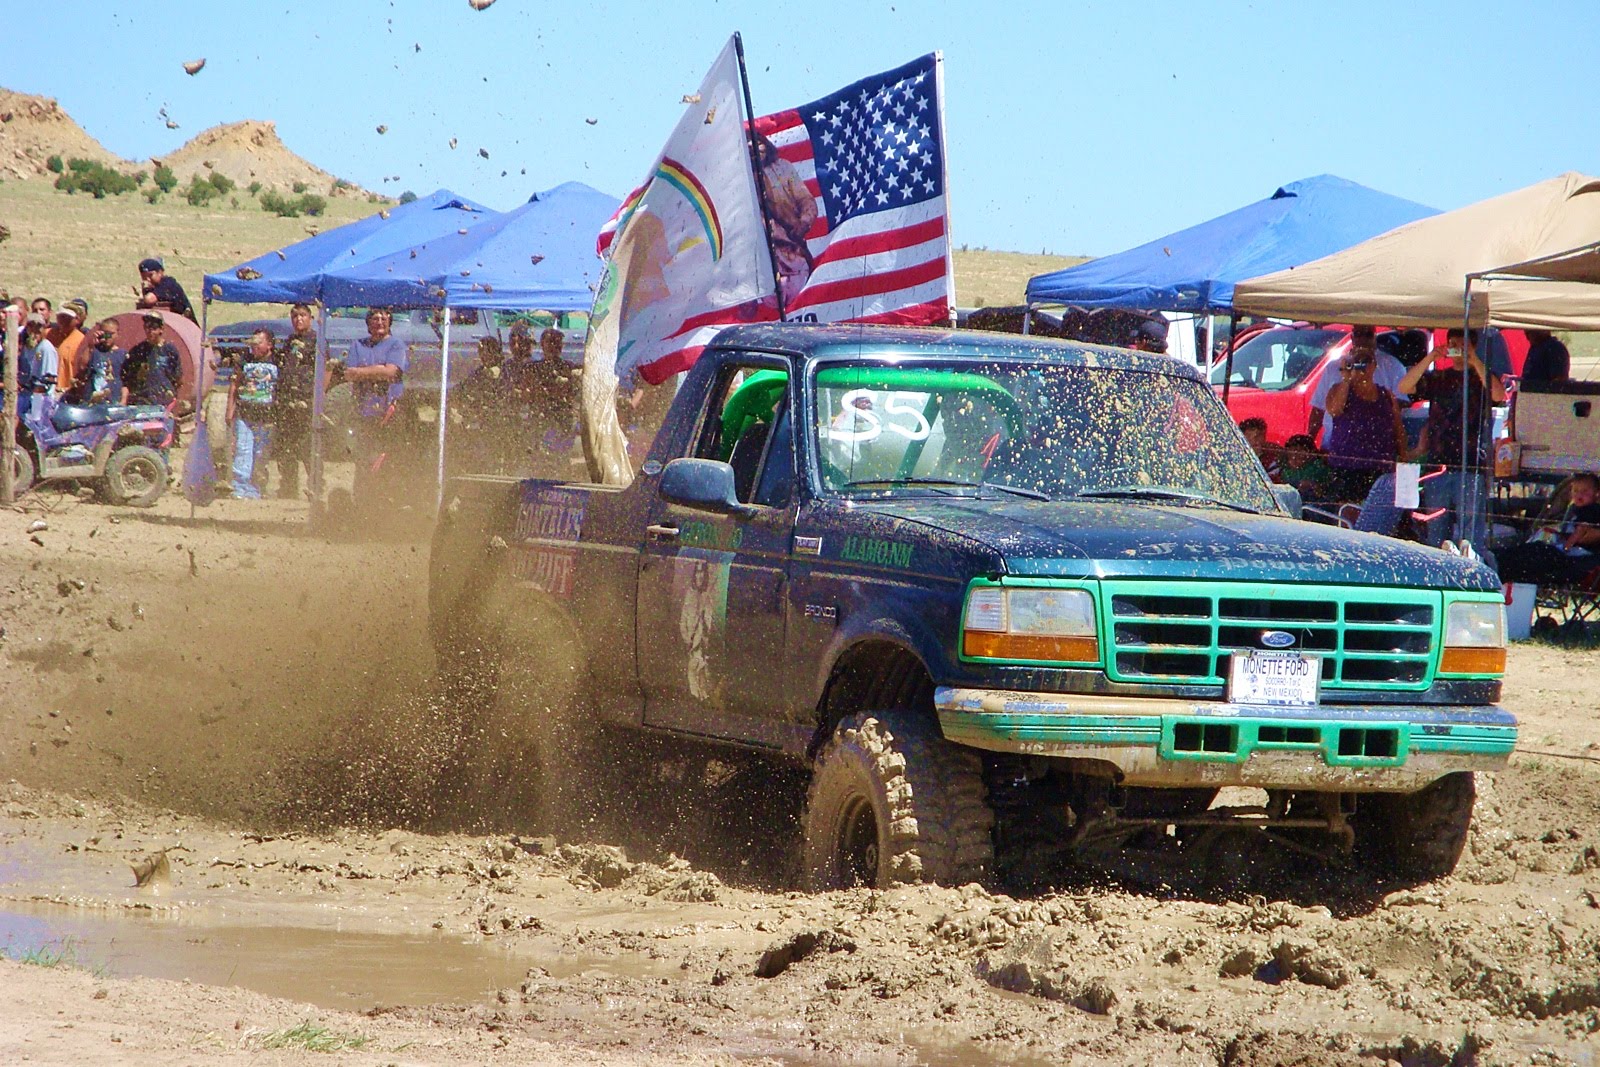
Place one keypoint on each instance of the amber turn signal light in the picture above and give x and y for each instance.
(978, 644)
(1473, 661)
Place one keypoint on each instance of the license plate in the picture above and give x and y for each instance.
(1282, 679)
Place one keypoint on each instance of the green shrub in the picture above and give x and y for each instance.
(53, 164)
(280, 205)
(200, 192)
(165, 180)
(140, 177)
(407, 196)
(255, 188)
(221, 182)
(340, 186)
(96, 179)
(292, 207)
(152, 195)
(298, 187)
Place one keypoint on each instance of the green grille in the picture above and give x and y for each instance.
(1184, 632)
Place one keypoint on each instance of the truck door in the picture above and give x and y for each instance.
(713, 588)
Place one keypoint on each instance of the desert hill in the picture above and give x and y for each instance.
(248, 151)
(34, 128)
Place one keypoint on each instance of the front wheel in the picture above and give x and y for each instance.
(1417, 835)
(22, 473)
(893, 801)
(135, 476)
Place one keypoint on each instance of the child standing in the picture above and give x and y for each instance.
(250, 411)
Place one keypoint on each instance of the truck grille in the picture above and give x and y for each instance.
(1184, 632)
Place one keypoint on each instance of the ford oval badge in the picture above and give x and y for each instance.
(1277, 639)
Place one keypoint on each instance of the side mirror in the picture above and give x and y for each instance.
(1289, 500)
(703, 484)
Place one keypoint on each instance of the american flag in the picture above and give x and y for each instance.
(872, 157)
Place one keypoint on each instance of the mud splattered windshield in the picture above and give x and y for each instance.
(1037, 431)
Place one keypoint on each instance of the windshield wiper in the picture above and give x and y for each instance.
(937, 484)
(1156, 492)
(1017, 490)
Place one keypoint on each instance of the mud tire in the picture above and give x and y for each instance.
(1417, 836)
(22, 472)
(892, 801)
(135, 476)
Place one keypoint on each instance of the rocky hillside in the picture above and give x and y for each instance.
(34, 128)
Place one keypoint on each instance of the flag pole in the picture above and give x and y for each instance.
(762, 198)
(944, 168)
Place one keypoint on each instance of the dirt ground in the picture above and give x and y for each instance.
(347, 863)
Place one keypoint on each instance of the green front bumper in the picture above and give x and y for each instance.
(1177, 743)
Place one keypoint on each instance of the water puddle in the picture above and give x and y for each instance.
(329, 968)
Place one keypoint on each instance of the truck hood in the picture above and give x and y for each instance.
(1066, 538)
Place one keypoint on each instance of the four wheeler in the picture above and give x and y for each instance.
(119, 449)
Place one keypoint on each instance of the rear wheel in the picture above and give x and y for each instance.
(892, 801)
(136, 476)
(22, 472)
(1417, 835)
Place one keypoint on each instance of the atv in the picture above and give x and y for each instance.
(119, 449)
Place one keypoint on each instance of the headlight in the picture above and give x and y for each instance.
(1474, 638)
(1042, 624)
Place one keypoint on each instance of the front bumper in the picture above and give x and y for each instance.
(1172, 743)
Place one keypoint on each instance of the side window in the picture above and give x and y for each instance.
(746, 408)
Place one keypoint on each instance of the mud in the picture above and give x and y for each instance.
(346, 847)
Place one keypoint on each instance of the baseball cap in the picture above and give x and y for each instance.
(78, 306)
(35, 319)
(152, 319)
(150, 264)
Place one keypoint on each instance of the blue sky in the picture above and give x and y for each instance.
(1071, 127)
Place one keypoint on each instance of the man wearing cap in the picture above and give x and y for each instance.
(153, 368)
(67, 335)
(37, 366)
(292, 434)
(100, 377)
(159, 291)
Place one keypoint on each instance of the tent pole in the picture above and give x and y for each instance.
(202, 436)
(444, 402)
(1027, 319)
(318, 406)
(1203, 359)
(1227, 370)
(8, 489)
(1467, 522)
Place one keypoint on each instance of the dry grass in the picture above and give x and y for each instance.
(995, 279)
(63, 246)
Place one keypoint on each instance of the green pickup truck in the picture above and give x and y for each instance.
(1001, 598)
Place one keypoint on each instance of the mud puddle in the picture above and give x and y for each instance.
(347, 970)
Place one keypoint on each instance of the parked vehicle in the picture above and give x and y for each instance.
(1278, 369)
(1000, 597)
(120, 450)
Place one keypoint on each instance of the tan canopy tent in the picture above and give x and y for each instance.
(1417, 275)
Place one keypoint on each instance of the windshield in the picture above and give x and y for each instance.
(1278, 359)
(1032, 430)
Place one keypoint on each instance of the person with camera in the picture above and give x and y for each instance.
(1367, 436)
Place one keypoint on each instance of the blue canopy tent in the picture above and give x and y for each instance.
(295, 274)
(540, 255)
(1194, 270)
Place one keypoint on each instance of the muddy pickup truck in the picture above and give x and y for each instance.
(1002, 599)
